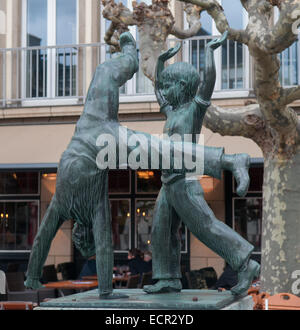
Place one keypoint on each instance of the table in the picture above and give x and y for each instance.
(115, 279)
(72, 284)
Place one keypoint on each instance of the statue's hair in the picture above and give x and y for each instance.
(183, 71)
(83, 239)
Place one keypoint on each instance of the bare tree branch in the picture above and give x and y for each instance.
(234, 122)
(291, 94)
(193, 17)
(216, 11)
(246, 121)
(263, 34)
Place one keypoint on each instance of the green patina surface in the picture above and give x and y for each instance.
(184, 300)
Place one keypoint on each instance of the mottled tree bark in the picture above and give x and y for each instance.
(271, 123)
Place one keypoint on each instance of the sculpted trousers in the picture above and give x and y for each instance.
(184, 201)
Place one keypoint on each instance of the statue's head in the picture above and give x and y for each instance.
(83, 239)
(180, 83)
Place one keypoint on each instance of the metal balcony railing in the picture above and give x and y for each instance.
(41, 75)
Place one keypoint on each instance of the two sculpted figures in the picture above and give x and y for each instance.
(82, 183)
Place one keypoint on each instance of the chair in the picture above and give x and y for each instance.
(146, 279)
(204, 278)
(12, 267)
(2, 282)
(16, 290)
(133, 281)
(67, 270)
(49, 274)
(17, 305)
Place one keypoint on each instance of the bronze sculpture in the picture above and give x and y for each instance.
(181, 199)
(82, 185)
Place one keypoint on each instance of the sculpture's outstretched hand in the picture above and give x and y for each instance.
(170, 53)
(216, 43)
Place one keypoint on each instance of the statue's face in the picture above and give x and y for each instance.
(173, 92)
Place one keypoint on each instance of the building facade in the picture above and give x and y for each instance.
(49, 50)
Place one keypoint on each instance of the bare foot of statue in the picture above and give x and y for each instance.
(163, 286)
(31, 283)
(238, 164)
(111, 295)
(245, 277)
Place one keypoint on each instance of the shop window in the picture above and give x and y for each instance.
(148, 181)
(119, 181)
(16, 183)
(248, 219)
(18, 224)
(144, 216)
(121, 224)
(256, 180)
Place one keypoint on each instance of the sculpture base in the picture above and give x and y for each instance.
(138, 299)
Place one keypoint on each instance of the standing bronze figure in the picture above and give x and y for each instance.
(182, 199)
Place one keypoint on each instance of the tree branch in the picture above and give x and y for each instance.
(291, 94)
(193, 17)
(243, 121)
(263, 34)
(282, 35)
(215, 10)
(246, 121)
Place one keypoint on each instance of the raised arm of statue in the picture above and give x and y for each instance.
(164, 105)
(207, 87)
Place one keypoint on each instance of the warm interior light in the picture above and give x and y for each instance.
(138, 210)
(144, 213)
(2, 215)
(128, 214)
(148, 242)
(15, 176)
(49, 176)
(145, 174)
(6, 216)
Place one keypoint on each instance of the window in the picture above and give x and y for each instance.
(19, 210)
(18, 224)
(139, 84)
(132, 196)
(148, 181)
(233, 52)
(119, 182)
(121, 224)
(50, 71)
(19, 183)
(248, 219)
(232, 59)
(247, 211)
(289, 73)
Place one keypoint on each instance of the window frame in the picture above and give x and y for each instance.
(112, 198)
(50, 98)
(233, 216)
(14, 200)
(220, 93)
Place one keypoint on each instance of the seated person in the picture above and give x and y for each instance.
(148, 262)
(136, 262)
(89, 268)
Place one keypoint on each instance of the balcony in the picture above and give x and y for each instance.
(60, 75)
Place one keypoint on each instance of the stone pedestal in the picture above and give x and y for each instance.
(138, 299)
